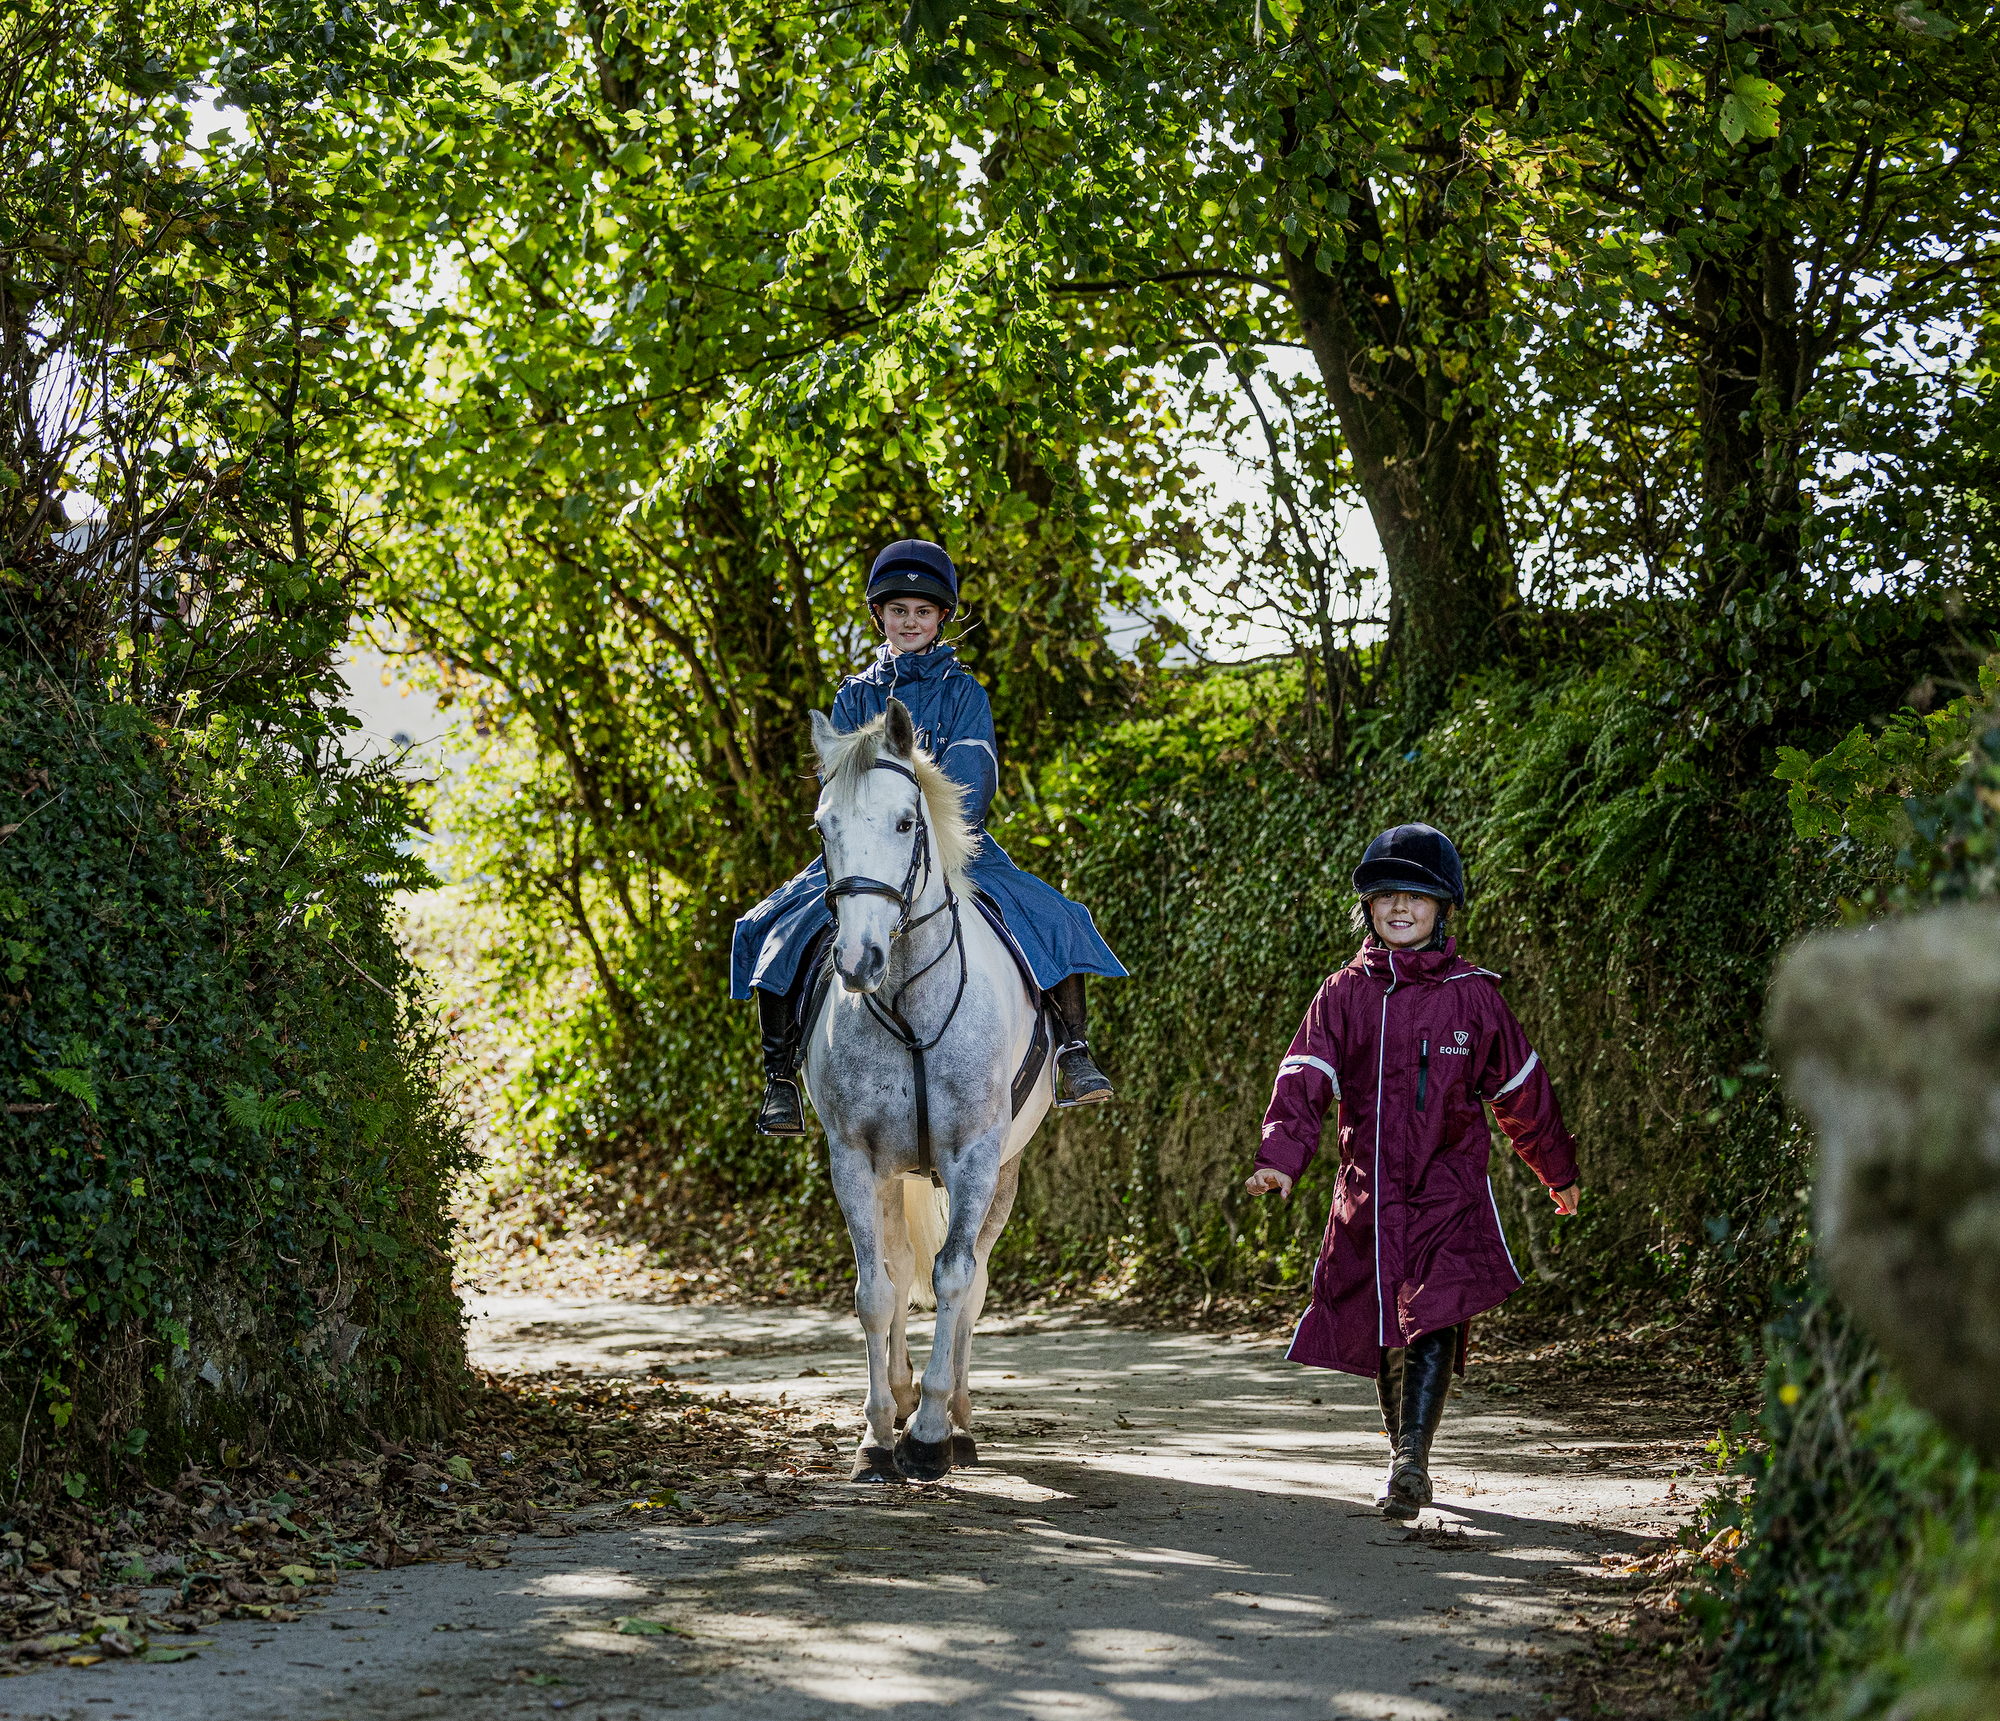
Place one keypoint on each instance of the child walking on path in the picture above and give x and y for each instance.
(1413, 1043)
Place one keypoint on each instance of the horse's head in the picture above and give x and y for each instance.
(893, 827)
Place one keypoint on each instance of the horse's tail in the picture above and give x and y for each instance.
(927, 1208)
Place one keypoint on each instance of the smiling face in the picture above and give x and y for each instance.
(1403, 919)
(910, 624)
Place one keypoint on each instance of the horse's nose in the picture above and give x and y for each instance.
(861, 970)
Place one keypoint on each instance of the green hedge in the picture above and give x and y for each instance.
(1868, 1580)
(1634, 913)
(226, 1152)
(1633, 921)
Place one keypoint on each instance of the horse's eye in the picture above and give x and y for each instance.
(906, 826)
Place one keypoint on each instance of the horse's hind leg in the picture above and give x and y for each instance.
(963, 1451)
(900, 1253)
(876, 1298)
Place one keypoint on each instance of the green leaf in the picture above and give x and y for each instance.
(1670, 75)
(245, 1109)
(168, 1655)
(932, 17)
(1794, 765)
(632, 1627)
(76, 1083)
(1917, 18)
(1378, 35)
(1750, 109)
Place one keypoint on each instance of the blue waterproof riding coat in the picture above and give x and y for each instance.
(955, 724)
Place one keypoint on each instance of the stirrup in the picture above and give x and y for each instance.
(1091, 1087)
(783, 1112)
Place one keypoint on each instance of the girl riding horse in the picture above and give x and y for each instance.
(912, 592)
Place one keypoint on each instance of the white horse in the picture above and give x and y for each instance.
(911, 1067)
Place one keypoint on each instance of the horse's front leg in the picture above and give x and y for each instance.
(861, 1197)
(924, 1452)
(963, 1450)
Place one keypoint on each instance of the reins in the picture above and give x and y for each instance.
(890, 1015)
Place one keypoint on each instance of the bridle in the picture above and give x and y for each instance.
(905, 895)
(916, 880)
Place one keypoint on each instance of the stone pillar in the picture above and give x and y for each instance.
(1888, 1038)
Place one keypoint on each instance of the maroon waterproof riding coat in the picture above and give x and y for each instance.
(1413, 1046)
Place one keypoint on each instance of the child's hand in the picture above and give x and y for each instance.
(1566, 1199)
(1263, 1182)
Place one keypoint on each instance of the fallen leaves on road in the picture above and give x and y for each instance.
(264, 1538)
(635, 1627)
(1716, 1555)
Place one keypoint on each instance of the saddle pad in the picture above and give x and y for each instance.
(996, 920)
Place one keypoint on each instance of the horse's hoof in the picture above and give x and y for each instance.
(875, 1464)
(924, 1460)
(964, 1451)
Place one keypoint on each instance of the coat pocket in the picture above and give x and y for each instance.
(1350, 1194)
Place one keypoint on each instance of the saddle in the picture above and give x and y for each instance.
(812, 998)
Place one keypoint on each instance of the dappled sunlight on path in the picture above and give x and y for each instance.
(1161, 1522)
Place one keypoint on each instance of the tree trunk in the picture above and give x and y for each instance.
(1423, 457)
(1752, 370)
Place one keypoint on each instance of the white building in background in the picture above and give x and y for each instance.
(402, 722)
(398, 718)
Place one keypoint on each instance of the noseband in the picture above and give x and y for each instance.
(915, 882)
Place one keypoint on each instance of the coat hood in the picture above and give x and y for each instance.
(891, 669)
(1409, 966)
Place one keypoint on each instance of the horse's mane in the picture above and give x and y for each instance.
(846, 761)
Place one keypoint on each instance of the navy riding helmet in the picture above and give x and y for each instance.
(913, 568)
(1414, 858)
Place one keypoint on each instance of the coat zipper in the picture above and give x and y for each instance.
(1423, 1070)
(1375, 1190)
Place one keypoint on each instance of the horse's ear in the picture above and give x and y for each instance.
(823, 734)
(902, 733)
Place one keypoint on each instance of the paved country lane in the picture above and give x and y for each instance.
(1161, 1521)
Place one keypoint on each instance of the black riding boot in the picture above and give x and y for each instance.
(1427, 1365)
(1083, 1083)
(783, 1112)
(1389, 1394)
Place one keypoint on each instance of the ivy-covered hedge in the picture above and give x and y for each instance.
(1867, 1582)
(226, 1150)
(1634, 912)
(1633, 921)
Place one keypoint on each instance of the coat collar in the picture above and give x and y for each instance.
(1410, 966)
(892, 671)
